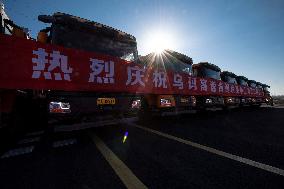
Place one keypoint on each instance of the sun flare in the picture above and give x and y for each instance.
(158, 41)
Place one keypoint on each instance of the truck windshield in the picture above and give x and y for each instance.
(231, 80)
(179, 66)
(174, 66)
(187, 69)
(211, 73)
(166, 62)
(252, 85)
(266, 89)
(174, 63)
(113, 44)
(259, 86)
(243, 82)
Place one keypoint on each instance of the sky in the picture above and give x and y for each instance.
(242, 36)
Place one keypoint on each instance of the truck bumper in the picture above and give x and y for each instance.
(172, 111)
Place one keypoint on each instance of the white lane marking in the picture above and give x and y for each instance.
(29, 140)
(215, 151)
(35, 133)
(61, 143)
(122, 171)
(18, 151)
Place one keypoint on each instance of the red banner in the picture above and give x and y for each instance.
(26, 64)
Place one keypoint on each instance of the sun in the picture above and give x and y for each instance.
(158, 41)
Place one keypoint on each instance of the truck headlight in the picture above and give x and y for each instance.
(193, 100)
(230, 100)
(136, 104)
(165, 102)
(208, 101)
(59, 107)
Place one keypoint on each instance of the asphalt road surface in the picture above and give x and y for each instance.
(235, 149)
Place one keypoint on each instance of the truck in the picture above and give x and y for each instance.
(60, 106)
(267, 96)
(243, 81)
(230, 101)
(208, 102)
(254, 100)
(260, 100)
(167, 104)
(74, 32)
(181, 64)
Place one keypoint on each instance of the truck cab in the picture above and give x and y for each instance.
(260, 100)
(268, 98)
(180, 63)
(165, 104)
(254, 100)
(210, 71)
(77, 33)
(243, 81)
(230, 101)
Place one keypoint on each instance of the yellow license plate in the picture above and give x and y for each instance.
(103, 101)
